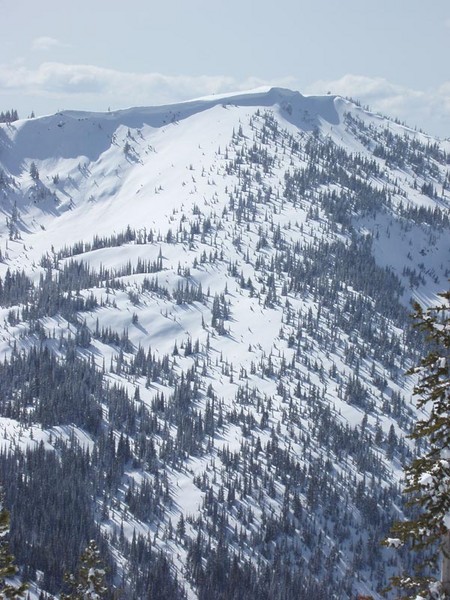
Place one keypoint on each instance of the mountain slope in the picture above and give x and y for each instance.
(227, 283)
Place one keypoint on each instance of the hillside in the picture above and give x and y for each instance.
(204, 334)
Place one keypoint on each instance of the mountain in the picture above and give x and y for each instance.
(204, 336)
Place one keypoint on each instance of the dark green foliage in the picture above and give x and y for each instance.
(89, 581)
(8, 569)
(428, 476)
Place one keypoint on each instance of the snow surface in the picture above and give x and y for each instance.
(150, 169)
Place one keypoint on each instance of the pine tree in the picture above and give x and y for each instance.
(34, 173)
(89, 583)
(428, 477)
(7, 567)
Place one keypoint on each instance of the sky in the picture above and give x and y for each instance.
(393, 55)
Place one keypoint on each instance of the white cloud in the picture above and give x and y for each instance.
(47, 43)
(426, 109)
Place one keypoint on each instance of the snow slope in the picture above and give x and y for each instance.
(228, 195)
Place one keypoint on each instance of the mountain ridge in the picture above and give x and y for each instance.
(232, 289)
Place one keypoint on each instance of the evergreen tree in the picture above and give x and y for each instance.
(34, 173)
(89, 583)
(7, 567)
(428, 477)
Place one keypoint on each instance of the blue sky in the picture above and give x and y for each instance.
(390, 54)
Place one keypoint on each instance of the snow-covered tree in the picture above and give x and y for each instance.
(89, 582)
(428, 477)
(7, 567)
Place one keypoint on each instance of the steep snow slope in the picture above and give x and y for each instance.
(241, 267)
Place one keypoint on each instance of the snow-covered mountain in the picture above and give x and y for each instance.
(205, 331)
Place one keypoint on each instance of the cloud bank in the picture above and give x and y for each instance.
(81, 82)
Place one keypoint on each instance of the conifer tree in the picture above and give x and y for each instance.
(428, 477)
(89, 582)
(7, 567)
(34, 173)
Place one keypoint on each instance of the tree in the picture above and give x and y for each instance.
(9, 116)
(428, 477)
(7, 567)
(34, 173)
(89, 583)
